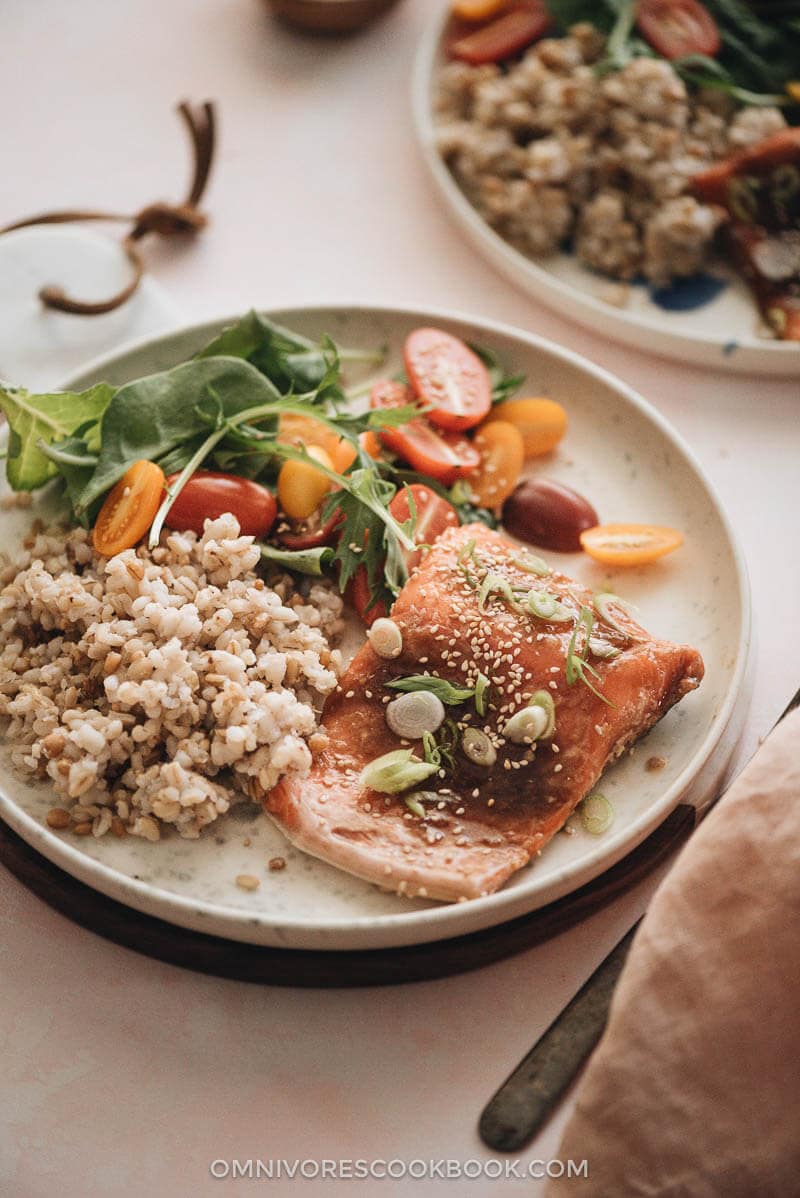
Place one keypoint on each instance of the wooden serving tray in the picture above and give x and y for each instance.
(303, 967)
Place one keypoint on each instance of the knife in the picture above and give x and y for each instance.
(526, 1098)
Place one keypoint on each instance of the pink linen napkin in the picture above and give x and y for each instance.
(694, 1089)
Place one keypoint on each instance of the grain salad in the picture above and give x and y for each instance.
(153, 687)
(554, 153)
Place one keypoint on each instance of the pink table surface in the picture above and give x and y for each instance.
(122, 1076)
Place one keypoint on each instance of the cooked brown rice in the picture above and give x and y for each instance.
(548, 150)
(151, 688)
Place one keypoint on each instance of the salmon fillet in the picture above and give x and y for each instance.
(483, 823)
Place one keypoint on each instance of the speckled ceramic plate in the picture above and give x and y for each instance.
(720, 327)
(620, 452)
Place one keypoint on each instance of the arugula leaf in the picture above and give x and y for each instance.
(503, 385)
(369, 535)
(154, 415)
(39, 420)
(444, 690)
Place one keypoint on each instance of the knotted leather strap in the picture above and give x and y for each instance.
(159, 218)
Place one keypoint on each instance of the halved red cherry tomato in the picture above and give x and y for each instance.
(448, 377)
(506, 36)
(433, 513)
(444, 456)
(359, 596)
(678, 27)
(208, 494)
(311, 533)
(129, 508)
(629, 544)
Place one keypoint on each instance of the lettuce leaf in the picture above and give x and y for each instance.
(49, 418)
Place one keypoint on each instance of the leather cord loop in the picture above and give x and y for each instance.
(161, 218)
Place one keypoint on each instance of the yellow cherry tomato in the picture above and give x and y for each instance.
(542, 422)
(629, 544)
(129, 509)
(502, 453)
(301, 487)
(478, 10)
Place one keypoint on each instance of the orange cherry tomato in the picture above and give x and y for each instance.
(209, 494)
(502, 451)
(542, 422)
(504, 37)
(129, 509)
(478, 10)
(448, 377)
(342, 455)
(370, 443)
(444, 456)
(303, 431)
(629, 544)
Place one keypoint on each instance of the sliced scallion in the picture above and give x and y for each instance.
(526, 725)
(547, 607)
(478, 747)
(532, 564)
(495, 584)
(413, 715)
(414, 805)
(395, 771)
(602, 649)
(604, 604)
(544, 699)
(482, 694)
(597, 814)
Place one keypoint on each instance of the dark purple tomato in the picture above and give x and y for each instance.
(544, 512)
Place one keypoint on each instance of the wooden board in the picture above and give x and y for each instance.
(301, 967)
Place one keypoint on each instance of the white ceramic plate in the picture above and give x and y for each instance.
(626, 458)
(723, 333)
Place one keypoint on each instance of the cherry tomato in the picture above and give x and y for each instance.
(208, 495)
(297, 429)
(359, 596)
(310, 533)
(542, 422)
(449, 377)
(434, 515)
(478, 10)
(343, 455)
(678, 27)
(548, 514)
(444, 456)
(370, 443)
(502, 451)
(129, 509)
(505, 36)
(301, 487)
(629, 544)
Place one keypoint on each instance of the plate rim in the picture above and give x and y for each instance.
(779, 357)
(443, 920)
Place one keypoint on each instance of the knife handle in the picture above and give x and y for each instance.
(523, 1102)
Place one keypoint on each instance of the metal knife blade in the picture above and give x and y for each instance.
(522, 1104)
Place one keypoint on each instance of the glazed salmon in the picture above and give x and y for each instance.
(470, 827)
